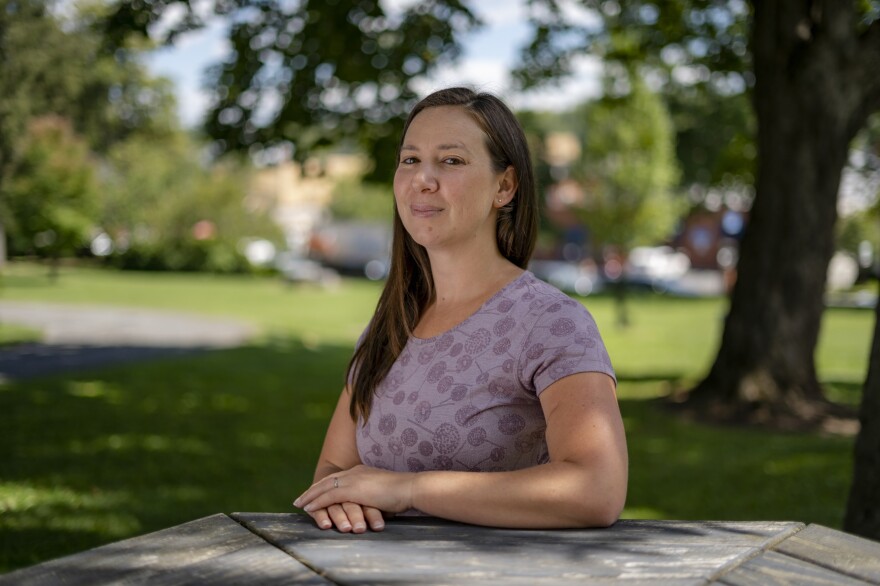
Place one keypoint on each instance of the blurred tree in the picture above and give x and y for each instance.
(860, 204)
(52, 195)
(629, 169)
(714, 135)
(816, 84)
(53, 65)
(163, 209)
(629, 172)
(359, 200)
(31, 43)
(811, 68)
(694, 52)
(309, 73)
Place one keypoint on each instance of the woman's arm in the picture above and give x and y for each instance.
(584, 484)
(339, 453)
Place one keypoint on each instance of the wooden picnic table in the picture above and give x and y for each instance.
(273, 548)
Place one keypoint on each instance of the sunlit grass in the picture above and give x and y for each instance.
(15, 334)
(309, 311)
(92, 457)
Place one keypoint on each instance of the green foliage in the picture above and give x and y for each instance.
(854, 228)
(705, 40)
(360, 200)
(629, 170)
(55, 66)
(54, 69)
(695, 51)
(39, 74)
(715, 137)
(51, 196)
(309, 73)
(164, 210)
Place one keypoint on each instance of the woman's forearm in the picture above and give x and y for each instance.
(560, 494)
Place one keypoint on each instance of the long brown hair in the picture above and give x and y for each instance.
(409, 288)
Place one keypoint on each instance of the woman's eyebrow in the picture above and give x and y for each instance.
(439, 147)
(451, 145)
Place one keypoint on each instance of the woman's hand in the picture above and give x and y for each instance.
(349, 517)
(391, 492)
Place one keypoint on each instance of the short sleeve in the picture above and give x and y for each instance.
(563, 341)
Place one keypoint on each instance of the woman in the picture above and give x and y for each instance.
(477, 393)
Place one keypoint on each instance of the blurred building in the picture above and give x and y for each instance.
(299, 194)
(710, 238)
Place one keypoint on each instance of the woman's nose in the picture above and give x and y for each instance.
(425, 178)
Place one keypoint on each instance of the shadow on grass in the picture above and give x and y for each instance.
(681, 469)
(94, 457)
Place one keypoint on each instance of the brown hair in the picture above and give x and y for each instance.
(410, 285)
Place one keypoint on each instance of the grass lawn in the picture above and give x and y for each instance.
(14, 334)
(94, 457)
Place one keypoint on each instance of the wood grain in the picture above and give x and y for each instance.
(212, 550)
(276, 549)
(836, 550)
(776, 569)
(432, 551)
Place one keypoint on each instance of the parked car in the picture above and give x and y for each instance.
(353, 248)
(296, 269)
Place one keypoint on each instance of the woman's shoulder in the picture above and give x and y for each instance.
(528, 299)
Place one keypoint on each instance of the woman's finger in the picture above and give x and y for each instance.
(322, 494)
(374, 518)
(339, 518)
(317, 489)
(356, 516)
(322, 518)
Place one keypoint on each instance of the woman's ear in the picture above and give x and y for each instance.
(507, 185)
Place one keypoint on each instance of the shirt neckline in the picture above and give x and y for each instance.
(479, 310)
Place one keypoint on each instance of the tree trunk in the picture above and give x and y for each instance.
(810, 101)
(863, 508)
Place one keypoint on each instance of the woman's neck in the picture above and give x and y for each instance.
(462, 285)
(462, 279)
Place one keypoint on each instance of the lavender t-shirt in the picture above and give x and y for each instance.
(468, 398)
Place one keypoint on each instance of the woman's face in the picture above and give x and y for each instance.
(445, 186)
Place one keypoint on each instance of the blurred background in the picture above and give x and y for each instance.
(184, 176)
(227, 138)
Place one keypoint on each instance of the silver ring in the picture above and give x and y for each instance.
(335, 482)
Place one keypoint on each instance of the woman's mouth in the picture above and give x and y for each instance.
(420, 210)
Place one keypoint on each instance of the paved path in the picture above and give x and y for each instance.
(77, 337)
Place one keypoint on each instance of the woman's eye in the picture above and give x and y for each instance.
(452, 161)
(408, 161)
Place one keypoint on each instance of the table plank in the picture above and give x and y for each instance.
(836, 550)
(433, 551)
(215, 550)
(772, 569)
